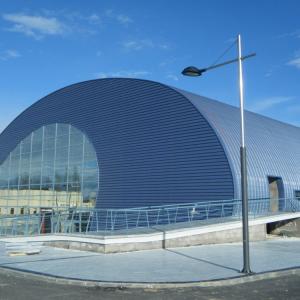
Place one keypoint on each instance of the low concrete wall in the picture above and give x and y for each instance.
(75, 245)
(257, 232)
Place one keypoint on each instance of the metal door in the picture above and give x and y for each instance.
(276, 192)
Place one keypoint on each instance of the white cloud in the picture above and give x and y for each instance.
(164, 46)
(109, 13)
(295, 62)
(137, 45)
(61, 22)
(268, 74)
(270, 71)
(294, 34)
(173, 77)
(120, 18)
(9, 54)
(35, 26)
(123, 19)
(230, 40)
(94, 19)
(268, 103)
(130, 74)
(170, 61)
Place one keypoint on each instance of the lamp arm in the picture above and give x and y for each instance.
(227, 62)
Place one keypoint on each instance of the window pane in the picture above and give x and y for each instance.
(24, 186)
(24, 178)
(25, 158)
(62, 129)
(90, 164)
(62, 141)
(50, 131)
(13, 181)
(16, 151)
(25, 148)
(35, 186)
(74, 173)
(37, 143)
(90, 175)
(35, 175)
(36, 157)
(49, 156)
(62, 154)
(76, 154)
(49, 143)
(76, 138)
(60, 175)
(89, 150)
(74, 186)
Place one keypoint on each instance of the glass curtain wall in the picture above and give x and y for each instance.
(54, 167)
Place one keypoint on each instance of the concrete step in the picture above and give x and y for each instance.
(22, 248)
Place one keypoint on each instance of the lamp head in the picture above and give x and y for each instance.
(192, 71)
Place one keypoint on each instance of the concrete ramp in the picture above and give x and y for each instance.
(227, 232)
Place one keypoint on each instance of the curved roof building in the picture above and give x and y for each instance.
(119, 143)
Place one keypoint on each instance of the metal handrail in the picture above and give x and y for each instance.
(82, 220)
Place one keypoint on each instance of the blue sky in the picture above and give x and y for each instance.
(46, 45)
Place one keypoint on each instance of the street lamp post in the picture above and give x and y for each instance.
(194, 71)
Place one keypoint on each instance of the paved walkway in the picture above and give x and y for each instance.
(199, 263)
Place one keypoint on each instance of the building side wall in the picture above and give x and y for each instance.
(273, 147)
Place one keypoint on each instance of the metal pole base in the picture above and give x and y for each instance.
(247, 271)
(246, 257)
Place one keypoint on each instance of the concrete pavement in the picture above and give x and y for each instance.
(176, 265)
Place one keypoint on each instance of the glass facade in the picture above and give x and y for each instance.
(55, 166)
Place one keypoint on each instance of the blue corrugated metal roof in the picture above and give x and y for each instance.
(273, 147)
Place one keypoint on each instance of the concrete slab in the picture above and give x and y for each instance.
(198, 263)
